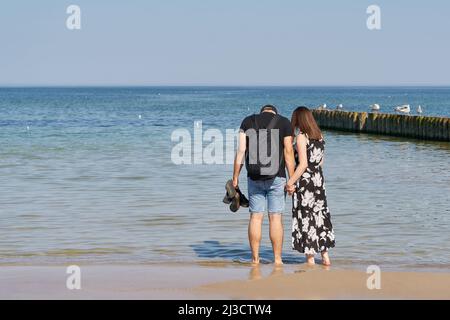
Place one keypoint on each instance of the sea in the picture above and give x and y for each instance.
(87, 175)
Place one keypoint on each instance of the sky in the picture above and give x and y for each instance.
(224, 42)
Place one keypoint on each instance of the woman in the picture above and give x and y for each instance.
(312, 231)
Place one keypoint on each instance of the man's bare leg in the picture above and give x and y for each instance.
(276, 236)
(254, 234)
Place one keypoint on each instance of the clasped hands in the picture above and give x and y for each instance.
(290, 187)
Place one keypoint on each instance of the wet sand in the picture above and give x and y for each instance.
(319, 283)
(216, 281)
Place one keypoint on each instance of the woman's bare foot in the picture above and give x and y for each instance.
(326, 259)
(310, 259)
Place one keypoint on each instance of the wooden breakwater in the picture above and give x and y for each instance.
(419, 127)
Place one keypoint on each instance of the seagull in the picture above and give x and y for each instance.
(403, 108)
(375, 107)
(140, 117)
(322, 107)
(28, 128)
(419, 110)
(340, 107)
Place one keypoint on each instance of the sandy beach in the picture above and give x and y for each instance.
(216, 281)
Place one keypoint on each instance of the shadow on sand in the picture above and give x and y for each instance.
(241, 253)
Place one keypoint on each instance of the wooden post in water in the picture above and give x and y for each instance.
(383, 120)
(397, 125)
(409, 126)
(388, 130)
(437, 127)
(434, 124)
(408, 122)
(448, 130)
(417, 128)
(421, 127)
(362, 121)
(443, 129)
(370, 122)
(447, 133)
(428, 128)
(355, 121)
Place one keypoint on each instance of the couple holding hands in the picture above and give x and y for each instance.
(272, 145)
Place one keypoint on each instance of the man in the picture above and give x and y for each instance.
(266, 142)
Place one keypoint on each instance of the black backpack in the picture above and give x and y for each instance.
(263, 160)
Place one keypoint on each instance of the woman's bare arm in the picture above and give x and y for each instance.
(301, 149)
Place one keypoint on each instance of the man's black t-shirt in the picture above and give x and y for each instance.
(285, 130)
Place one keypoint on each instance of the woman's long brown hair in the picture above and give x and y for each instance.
(303, 119)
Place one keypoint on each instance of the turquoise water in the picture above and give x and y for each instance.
(84, 179)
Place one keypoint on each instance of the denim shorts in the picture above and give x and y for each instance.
(267, 195)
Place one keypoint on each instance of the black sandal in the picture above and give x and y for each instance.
(235, 203)
(243, 201)
(232, 196)
(230, 192)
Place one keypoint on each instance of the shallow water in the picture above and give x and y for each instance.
(90, 181)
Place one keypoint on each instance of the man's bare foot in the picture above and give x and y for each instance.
(255, 262)
(310, 259)
(326, 259)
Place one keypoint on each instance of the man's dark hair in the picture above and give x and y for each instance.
(269, 107)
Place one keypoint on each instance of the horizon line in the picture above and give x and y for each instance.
(223, 85)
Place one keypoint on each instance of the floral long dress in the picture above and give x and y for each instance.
(312, 231)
